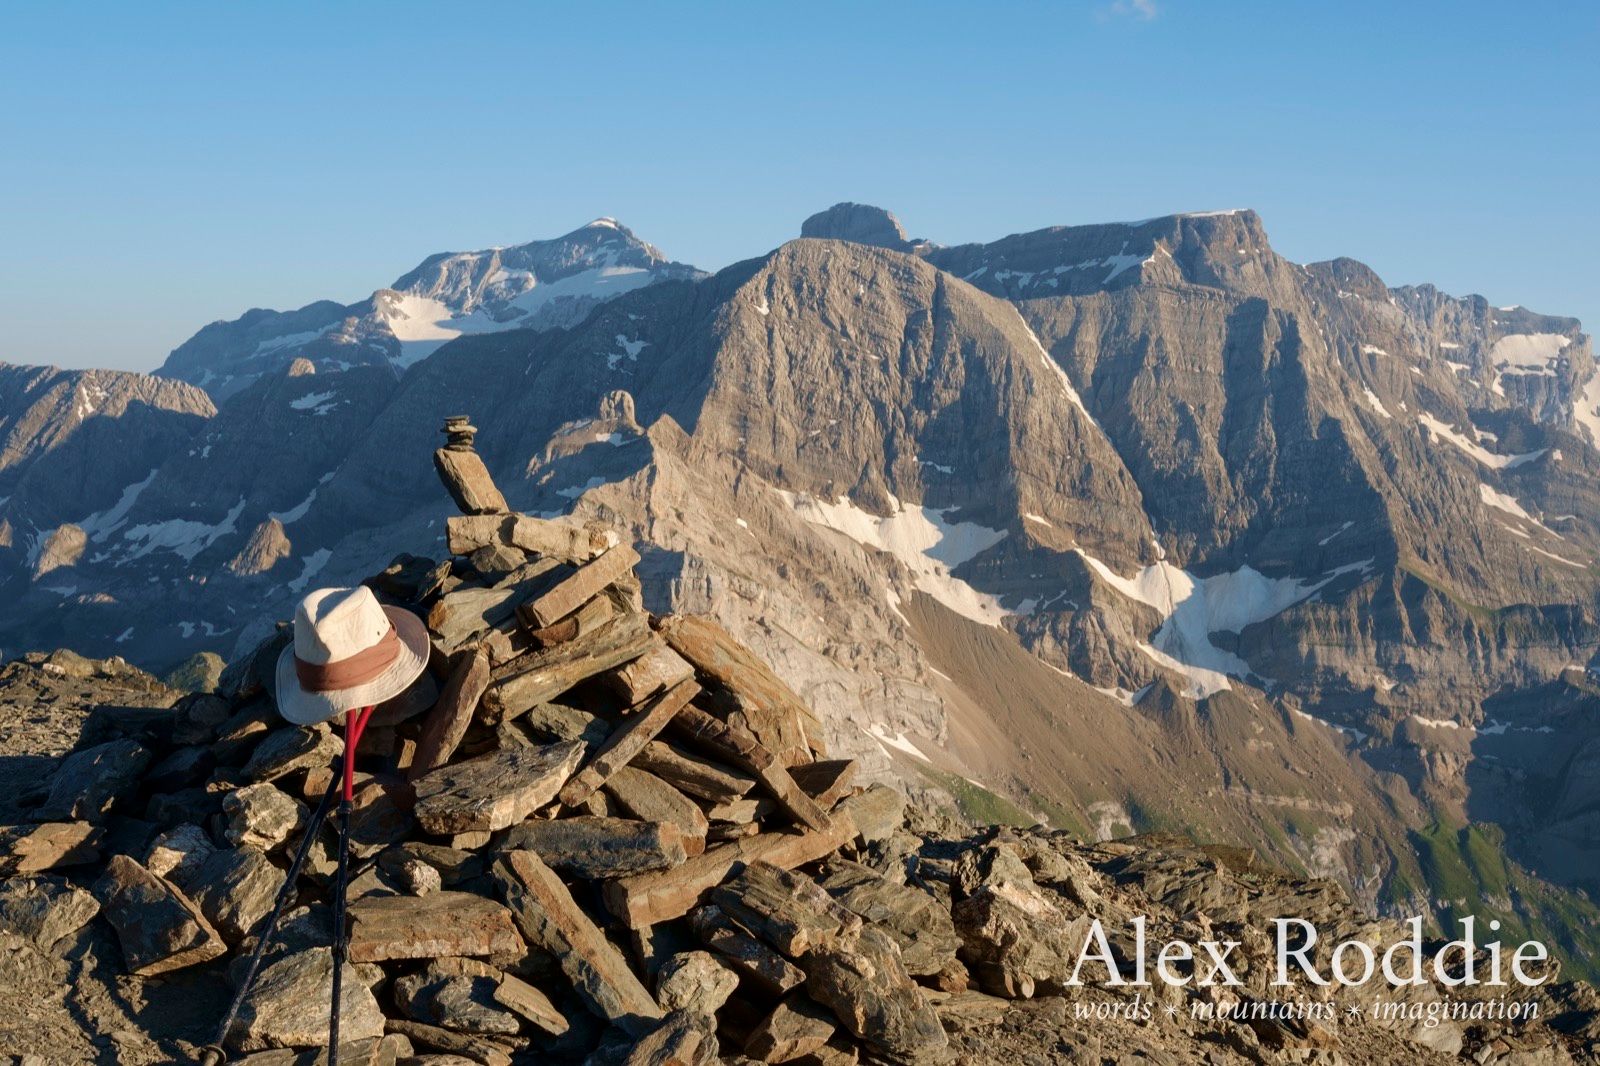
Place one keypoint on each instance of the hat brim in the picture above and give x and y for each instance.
(308, 708)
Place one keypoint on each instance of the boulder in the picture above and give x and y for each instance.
(178, 852)
(526, 1000)
(447, 722)
(627, 740)
(288, 1007)
(88, 782)
(45, 910)
(426, 927)
(655, 671)
(235, 888)
(753, 960)
(262, 816)
(647, 797)
(468, 481)
(583, 584)
(694, 981)
(597, 848)
(464, 1002)
(862, 980)
(160, 929)
(286, 750)
(682, 1039)
(496, 790)
(552, 920)
(789, 911)
(919, 923)
(1015, 940)
(796, 1027)
(34, 848)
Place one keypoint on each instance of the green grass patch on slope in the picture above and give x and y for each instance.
(976, 803)
(1468, 874)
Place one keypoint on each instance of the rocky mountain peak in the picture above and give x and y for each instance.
(539, 284)
(860, 223)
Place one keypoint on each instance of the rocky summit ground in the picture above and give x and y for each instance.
(590, 834)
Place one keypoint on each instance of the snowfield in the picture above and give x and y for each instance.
(1194, 608)
(921, 538)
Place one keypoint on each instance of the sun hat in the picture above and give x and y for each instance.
(349, 651)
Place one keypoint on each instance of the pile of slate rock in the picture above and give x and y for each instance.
(576, 835)
(592, 835)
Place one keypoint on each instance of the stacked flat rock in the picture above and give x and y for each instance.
(588, 834)
(539, 828)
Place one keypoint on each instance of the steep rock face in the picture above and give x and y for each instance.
(1221, 249)
(267, 546)
(538, 285)
(76, 449)
(859, 223)
(855, 374)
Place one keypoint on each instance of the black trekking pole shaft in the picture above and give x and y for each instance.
(340, 893)
(213, 1054)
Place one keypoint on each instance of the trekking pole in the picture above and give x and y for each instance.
(212, 1054)
(355, 723)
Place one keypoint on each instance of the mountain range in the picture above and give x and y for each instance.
(1123, 527)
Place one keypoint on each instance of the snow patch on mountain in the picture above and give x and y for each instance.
(626, 349)
(1557, 558)
(1193, 608)
(298, 511)
(1055, 367)
(319, 403)
(423, 324)
(896, 741)
(1528, 353)
(101, 524)
(181, 536)
(1502, 501)
(922, 539)
(1586, 408)
(1473, 448)
(289, 340)
(310, 567)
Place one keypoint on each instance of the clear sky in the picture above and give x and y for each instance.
(163, 165)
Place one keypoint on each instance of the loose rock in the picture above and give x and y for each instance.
(159, 928)
(552, 920)
(426, 927)
(694, 981)
(494, 791)
(45, 910)
(261, 816)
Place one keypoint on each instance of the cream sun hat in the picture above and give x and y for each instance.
(349, 652)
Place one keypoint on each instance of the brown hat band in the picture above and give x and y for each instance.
(357, 669)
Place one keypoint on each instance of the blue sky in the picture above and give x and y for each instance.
(163, 166)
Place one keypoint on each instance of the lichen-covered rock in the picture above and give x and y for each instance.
(46, 910)
(289, 1005)
(160, 928)
(91, 780)
(862, 980)
(694, 981)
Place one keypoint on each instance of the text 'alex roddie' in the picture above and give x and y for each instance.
(1350, 962)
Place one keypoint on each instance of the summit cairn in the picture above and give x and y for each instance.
(588, 834)
(462, 470)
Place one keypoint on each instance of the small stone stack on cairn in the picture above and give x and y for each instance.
(581, 835)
